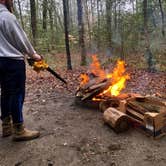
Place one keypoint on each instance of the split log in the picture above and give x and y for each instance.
(135, 96)
(135, 106)
(135, 114)
(146, 105)
(151, 107)
(116, 119)
(155, 101)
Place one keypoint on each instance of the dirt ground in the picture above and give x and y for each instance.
(75, 136)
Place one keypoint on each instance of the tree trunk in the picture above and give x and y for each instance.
(109, 22)
(45, 7)
(51, 16)
(136, 4)
(98, 25)
(152, 6)
(81, 32)
(33, 20)
(88, 22)
(122, 54)
(20, 11)
(115, 16)
(69, 66)
(71, 13)
(162, 16)
(148, 53)
(133, 5)
(58, 19)
(68, 15)
(50, 10)
(92, 12)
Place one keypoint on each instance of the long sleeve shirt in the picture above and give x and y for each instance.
(13, 40)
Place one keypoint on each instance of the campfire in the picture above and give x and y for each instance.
(99, 84)
(102, 89)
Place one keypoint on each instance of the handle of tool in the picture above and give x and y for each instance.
(56, 75)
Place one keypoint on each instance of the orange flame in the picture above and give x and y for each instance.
(84, 79)
(117, 78)
(96, 69)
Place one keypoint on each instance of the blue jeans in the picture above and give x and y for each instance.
(12, 81)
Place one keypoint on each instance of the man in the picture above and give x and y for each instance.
(13, 46)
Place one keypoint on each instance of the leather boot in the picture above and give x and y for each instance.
(23, 134)
(7, 127)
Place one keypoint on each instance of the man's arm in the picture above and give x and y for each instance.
(18, 38)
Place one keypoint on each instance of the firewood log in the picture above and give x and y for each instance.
(155, 101)
(135, 114)
(94, 93)
(93, 87)
(148, 105)
(116, 119)
(92, 83)
(122, 106)
(108, 103)
(135, 106)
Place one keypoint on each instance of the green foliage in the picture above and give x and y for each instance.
(127, 36)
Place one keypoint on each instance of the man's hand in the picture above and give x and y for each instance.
(37, 57)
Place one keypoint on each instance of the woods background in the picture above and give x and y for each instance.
(133, 30)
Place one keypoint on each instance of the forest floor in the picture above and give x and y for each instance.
(75, 136)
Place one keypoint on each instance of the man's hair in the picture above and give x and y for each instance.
(8, 4)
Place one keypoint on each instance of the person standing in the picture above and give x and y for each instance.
(14, 45)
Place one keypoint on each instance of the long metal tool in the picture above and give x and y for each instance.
(41, 65)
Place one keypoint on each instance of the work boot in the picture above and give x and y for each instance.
(23, 134)
(7, 127)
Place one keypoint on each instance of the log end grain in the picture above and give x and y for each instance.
(117, 120)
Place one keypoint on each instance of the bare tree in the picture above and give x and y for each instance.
(65, 12)
(148, 53)
(162, 16)
(45, 7)
(87, 15)
(109, 21)
(81, 32)
(98, 24)
(33, 20)
(20, 11)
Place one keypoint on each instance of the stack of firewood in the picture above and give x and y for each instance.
(121, 111)
(147, 112)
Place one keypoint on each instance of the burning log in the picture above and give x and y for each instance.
(92, 84)
(91, 90)
(96, 86)
(116, 119)
(99, 83)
